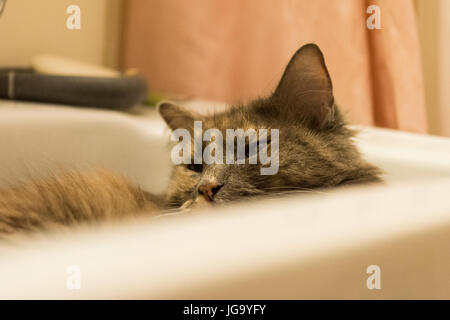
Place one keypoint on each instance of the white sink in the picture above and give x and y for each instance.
(38, 138)
(313, 246)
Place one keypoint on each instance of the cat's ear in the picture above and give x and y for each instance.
(305, 88)
(177, 117)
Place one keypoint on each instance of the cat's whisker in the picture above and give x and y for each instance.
(292, 189)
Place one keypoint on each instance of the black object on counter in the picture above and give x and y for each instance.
(107, 93)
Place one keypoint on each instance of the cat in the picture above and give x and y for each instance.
(315, 152)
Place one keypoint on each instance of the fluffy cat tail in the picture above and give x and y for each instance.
(70, 198)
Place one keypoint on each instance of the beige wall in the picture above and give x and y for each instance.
(30, 27)
(445, 68)
(434, 31)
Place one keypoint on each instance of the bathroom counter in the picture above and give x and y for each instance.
(317, 245)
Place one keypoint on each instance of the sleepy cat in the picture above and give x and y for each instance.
(315, 151)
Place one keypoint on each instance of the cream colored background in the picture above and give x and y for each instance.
(445, 68)
(30, 27)
(434, 32)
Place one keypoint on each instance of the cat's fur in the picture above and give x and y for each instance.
(315, 151)
(72, 197)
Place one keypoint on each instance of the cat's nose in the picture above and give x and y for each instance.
(209, 188)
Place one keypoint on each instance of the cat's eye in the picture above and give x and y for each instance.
(249, 154)
(267, 142)
(195, 167)
(247, 149)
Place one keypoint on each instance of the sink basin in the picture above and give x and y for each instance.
(37, 139)
(318, 245)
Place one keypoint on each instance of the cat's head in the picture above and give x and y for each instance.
(315, 149)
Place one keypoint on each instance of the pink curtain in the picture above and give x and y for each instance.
(236, 50)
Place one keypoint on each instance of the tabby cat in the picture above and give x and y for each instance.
(315, 151)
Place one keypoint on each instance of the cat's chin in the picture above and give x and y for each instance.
(198, 202)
